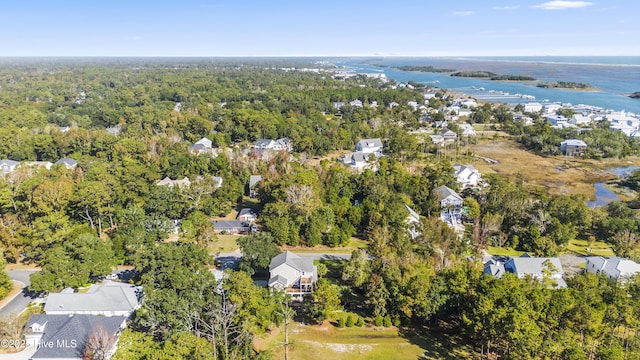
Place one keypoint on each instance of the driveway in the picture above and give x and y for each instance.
(20, 302)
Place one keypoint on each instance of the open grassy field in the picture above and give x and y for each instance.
(498, 251)
(582, 247)
(225, 243)
(353, 244)
(558, 174)
(328, 342)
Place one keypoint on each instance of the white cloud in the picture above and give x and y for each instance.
(463, 13)
(512, 7)
(562, 5)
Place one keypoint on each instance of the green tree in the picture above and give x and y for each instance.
(257, 252)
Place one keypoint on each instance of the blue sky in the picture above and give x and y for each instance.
(318, 28)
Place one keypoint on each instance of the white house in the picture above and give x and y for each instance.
(358, 160)
(185, 182)
(8, 166)
(276, 145)
(466, 175)
(108, 299)
(369, 146)
(614, 267)
(293, 274)
(533, 107)
(203, 145)
(247, 214)
(447, 197)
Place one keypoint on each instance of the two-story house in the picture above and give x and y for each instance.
(293, 274)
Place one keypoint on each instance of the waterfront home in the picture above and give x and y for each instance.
(573, 147)
(532, 107)
(466, 175)
(293, 274)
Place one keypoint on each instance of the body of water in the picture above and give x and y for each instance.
(614, 77)
(603, 194)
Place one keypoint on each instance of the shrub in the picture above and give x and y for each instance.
(387, 321)
(359, 322)
(350, 321)
(378, 320)
(341, 322)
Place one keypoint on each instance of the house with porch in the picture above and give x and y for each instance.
(293, 274)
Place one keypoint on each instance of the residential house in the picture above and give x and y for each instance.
(556, 119)
(275, 145)
(466, 175)
(202, 146)
(356, 103)
(358, 160)
(68, 163)
(232, 226)
(108, 299)
(66, 336)
(573, 147)
(114, 130)
(437, 139)
(412, 220)
(293, 274)
(552, 108)
(338, 105)
(253, 181)
(467, 130)
(448, 135)
(525, 266)
(533, 107)
(579, 119)
(247, 214)
(451, 207)
(8, 166)
(182, 183)
(369, 146)
(613, 267)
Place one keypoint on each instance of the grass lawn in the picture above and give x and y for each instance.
(225, 243)
(328, 342)
(557, 174)
(596, 249)
(499, 251)
(353, 244)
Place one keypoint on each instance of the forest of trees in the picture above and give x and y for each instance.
(77, 224)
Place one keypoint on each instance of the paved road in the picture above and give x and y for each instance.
(20, 302)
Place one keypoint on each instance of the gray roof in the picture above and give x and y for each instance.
(573, 142)
(72, 331)
(293, 260)
(9, 162)
(67, 162)
(494, 268)
(110, 296)
(533, 265)
(413, 216)
(229, 224)
(253, 180)
(277, 280)
(444, 192)
(247, 211)
(369, 143)
(263, 142)
(614, 267)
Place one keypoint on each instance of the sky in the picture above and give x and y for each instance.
(319, 28)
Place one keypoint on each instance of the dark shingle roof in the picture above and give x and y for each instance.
(68, 333)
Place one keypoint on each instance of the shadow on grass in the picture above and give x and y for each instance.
(438, 344)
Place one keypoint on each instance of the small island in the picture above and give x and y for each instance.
(475, 74)
(635, 95)
(424, 69)
(492, 76)
(570, 85)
